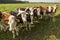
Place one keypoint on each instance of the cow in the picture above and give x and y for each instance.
(1, 26)
(41, 11)
(4, 20)
(29, 15)
(22, 16)
(51, 10)
(33, 13)
(9, 21)
(13, 13)
(54, 8)
(29, 11)
(13, 25)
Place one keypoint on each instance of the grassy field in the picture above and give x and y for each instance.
(44, 30)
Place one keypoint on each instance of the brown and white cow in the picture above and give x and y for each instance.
(13, 25)
(9, 20)
(4, 19)
(51, 10)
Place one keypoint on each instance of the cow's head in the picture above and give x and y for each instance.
(31, 10)
(49, 8)
(54, 8)
(28, 10)
(35, 10)
(13, 13)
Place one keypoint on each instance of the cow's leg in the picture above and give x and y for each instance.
(26, 28)
(17, 30)
(44, 12)
(53, 17)
(46, 16)
(1, 26)
(24, 20)
(13, 32)
(29, 26)
(50, 17)
(5, 27)
(37, 18)
(31, 16)
(12, 29)
(26, 24)
(38, 14)
(41, 16)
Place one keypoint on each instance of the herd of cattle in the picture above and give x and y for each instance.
(24, 16)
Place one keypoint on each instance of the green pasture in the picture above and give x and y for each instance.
(44, 30)
(11, 7)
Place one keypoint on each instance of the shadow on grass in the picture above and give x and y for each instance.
(40, 31)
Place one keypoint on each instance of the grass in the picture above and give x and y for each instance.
(44, 30)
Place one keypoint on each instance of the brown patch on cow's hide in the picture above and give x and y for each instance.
(43, 7)
(5, 17)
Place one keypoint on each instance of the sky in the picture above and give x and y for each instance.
(43, 0)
